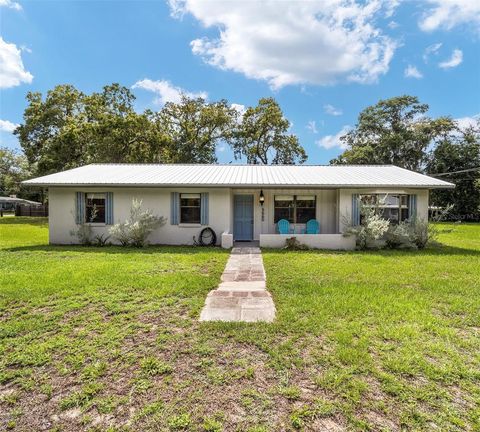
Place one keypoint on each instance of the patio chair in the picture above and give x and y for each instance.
(313, 227)
(283, 226)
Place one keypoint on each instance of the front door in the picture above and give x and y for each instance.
(243, 217)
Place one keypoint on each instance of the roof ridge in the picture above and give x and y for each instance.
(239, 165)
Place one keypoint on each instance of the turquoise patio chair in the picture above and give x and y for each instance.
(313, 227)
(283, 226)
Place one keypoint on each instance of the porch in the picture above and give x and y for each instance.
(313, 241)
(278, 241)
(254, 217)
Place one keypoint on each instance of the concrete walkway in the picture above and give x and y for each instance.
(242, 294)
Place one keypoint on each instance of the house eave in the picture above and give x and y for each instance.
(243, 186)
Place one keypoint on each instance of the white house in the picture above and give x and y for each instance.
(239, 202)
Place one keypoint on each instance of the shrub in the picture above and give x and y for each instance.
(376, 232)
(293, 244)
(415, 234)
(401, 236)
(100, 240)
(84, 234)
(423, 233)
(84, 231)
(371, 229)
(135, 230)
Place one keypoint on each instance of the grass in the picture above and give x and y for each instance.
(109, 339)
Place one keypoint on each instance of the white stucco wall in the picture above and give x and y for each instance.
(62, 213)
(333, 208)
(313, 241)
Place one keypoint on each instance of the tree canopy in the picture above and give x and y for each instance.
(458, 155)
(192, 128)
(262, 136)
(13, 170)
(68, 128)
(393, 131)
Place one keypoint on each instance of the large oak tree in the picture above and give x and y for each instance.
(393, 131)
(193, 128)
(263, 137)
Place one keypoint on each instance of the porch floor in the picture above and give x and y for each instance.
(246, 244)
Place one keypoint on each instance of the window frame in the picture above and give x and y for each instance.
(402, 206)
(294, 207)
(95, 195)
(182, 222)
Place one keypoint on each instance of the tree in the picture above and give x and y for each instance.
(192, 129)
(459, 151)
(69, 129)
(393, 131)
(114, 133)
(50, 135)
(13, 170)
(262, 136)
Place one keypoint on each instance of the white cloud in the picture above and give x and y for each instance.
(431, 50)
(412, 72)
(7, 126)
(330, 109)
(453, 61)
(390, 6)
(465, 122)
(447, 14)
(10, 4)
(312, 126)
(393, 25)
(331, 141)
(166, 91)
(288, 43)
(239, 108)
(12, 71)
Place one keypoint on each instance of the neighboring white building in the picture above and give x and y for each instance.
(227, 198)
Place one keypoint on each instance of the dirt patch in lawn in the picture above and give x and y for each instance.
(157, 369)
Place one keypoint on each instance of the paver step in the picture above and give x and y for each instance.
(244, 285)
(242, 294)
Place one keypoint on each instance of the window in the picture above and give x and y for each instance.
(295, 208)
(284, 208)
(95, 208)
(391, 207)
(305, 208)
(190, 208)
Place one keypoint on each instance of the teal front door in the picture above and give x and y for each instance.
(243, 217)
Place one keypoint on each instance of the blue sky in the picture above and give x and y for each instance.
(324, 61)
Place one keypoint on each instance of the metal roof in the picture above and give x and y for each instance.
(327, 176)
(18, 201)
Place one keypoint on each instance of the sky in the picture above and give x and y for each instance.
(323, 61)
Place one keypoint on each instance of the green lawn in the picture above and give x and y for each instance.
(108, 339)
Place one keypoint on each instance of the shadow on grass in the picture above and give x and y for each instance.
(153, 249)
(430, 251)
(171, 249)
